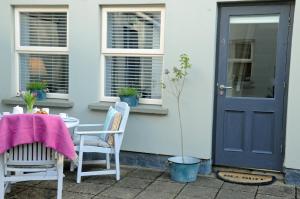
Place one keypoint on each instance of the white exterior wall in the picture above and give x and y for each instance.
(292, 157)
(190, 27)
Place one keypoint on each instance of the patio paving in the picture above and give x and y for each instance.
(143, 183)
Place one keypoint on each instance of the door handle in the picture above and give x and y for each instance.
(223, 87)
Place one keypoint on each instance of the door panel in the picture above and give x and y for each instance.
(251, 74)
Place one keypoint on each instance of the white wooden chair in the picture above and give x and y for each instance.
(30, 162)
(91, 142)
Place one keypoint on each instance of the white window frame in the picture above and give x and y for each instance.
(129, 52)
(38, 49)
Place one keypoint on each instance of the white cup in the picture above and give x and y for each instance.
(18, 110)
(63, 115)
(46, 110)
(36, 109)
(6, 113)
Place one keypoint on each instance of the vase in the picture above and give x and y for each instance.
(132, 101)
(29, 108)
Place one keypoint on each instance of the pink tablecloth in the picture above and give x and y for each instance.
(29, 128)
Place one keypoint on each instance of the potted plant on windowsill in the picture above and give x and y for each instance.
(38, 88)
(129, 95)
(182, 168)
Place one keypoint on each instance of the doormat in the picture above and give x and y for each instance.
(244, 178)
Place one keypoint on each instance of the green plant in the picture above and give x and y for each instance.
(36, 86)
(176, 80)
(30, 100)
(128, 91)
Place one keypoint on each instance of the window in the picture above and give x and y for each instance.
(132, 52)
(42, 48)
(240, 63)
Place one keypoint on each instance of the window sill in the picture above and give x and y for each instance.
(56, 103)
(141, 108)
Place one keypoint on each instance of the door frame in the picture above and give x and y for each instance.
(291, 3)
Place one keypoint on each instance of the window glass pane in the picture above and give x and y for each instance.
(252, 56)
(41, 67)
(136, 30)
(143, 73)
(43, 29)
(240, 50)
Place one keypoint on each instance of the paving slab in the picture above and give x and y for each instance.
(108, 180)
(132, 182)
(51, 184)
(239, 187)
(88, 188)
(124, 170)
(199, 192)
(261, 196)
(15, 189)
(71, 176)
(277, 190)
(166, 187)
(153, 194)
(165, 177)
(207, 182)
(231, 194)
(120, 192)
(145, 173)
(72, 195)
(35, 193)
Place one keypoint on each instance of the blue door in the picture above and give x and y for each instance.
(251, 74)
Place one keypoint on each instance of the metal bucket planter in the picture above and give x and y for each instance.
(184, 169)
(130, 100)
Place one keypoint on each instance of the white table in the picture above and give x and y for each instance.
(71, 122)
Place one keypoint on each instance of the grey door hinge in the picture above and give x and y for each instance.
(281, 148)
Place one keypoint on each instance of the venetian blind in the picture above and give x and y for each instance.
(43, 29)
(53, 69)
(137, 30)
(143, 73)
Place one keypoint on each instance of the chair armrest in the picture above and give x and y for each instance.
(89, 125)
(83, 126)
(97, 132)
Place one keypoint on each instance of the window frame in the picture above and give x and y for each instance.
(243, 60)
(38, 49)
(129, 52)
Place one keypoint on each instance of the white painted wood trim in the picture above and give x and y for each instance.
(141, 100)
(133, 52)
(37, 49)
(128, 52)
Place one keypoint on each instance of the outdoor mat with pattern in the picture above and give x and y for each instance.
(245, 178)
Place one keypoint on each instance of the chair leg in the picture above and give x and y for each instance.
(79, 168)
(107, 161)
(72, 166)
(60, 176)
(2, 188)
(117, 162)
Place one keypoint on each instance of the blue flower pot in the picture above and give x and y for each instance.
(184, 169)
(40, 94)
(130, 100)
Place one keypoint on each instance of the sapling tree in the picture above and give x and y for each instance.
(175, 84)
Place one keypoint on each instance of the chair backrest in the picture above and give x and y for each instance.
(124, 109)
(31, 154)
